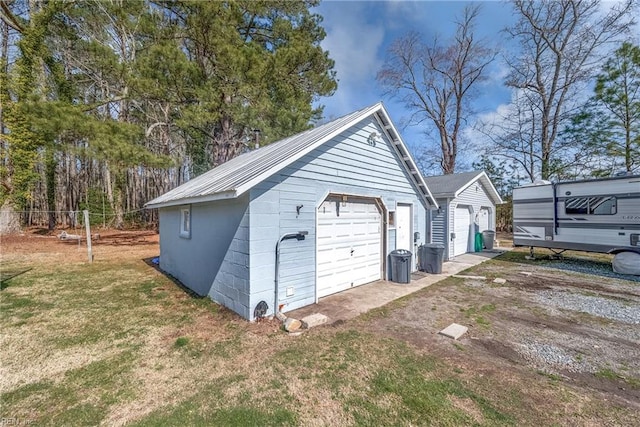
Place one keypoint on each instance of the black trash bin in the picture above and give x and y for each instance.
(400, 266)
(431, 256)
(488, 236)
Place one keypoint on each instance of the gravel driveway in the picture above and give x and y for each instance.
(573, 320)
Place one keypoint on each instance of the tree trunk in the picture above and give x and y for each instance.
(108, 187)
(50, 174)
(118, 196)
(4, 51)
(9, 219)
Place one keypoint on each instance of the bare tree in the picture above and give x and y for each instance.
(562, 42)
(436, 81)
(514, 135)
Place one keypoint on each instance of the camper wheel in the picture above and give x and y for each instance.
(626, 262)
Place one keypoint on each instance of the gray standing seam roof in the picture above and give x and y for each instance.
(449, 184)
(442, 186)
(234, 177)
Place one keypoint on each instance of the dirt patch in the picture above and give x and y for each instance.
(36, 245)
(543, 280)
(548, 325)
(499, 349)
(615, 387)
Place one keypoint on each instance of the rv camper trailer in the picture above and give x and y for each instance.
(596, 215)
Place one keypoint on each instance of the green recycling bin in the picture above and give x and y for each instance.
(478, 243)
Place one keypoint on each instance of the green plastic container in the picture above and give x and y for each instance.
(478, 244)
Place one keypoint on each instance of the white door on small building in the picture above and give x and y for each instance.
(403, 227)
(483, 219)
(348, 245)
(462, 225)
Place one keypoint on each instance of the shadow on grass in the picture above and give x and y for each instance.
(6, 275)
(150, 262)
(587, 263)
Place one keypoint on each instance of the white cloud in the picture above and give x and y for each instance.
(354, 43)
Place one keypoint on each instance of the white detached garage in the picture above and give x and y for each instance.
(467, 204)
(334, 201)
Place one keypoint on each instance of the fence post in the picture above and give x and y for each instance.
(88, 230)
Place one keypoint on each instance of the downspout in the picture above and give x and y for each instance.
(300, 235)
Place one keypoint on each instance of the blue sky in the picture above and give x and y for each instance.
(359, 33)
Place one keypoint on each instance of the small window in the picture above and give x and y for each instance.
(185, 222)
(604, 205)
(392, 219)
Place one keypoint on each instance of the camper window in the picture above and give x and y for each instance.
(605, 205)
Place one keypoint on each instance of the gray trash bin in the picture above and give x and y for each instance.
(400, 266)
(431, 256)
(488, 236)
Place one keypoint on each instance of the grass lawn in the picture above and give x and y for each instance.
(115, 342)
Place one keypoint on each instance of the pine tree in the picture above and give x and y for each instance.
(618, 92)
(134, 97)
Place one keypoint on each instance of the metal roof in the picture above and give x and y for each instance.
(450, 186)
(238, 175)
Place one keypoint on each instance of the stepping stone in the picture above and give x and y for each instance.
(313, 320)
(526, 273)
(292, 325)
(499, 281)
(454, 331)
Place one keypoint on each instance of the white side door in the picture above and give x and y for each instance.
(483, 219)
(462, 225)
(403, 228)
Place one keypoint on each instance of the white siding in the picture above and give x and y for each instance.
(475, 196)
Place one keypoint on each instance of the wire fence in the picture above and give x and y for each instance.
(135, 218)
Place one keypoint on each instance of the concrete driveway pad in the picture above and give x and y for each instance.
(351, 303)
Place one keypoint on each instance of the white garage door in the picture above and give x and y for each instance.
(348, 244)
(462, 224)
(483, 219)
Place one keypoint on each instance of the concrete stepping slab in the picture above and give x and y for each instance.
(313, 320)
(454, 331)
(499, 281)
